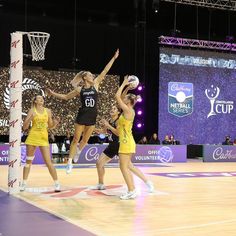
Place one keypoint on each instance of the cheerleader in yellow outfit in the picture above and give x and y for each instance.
(41, 119)
(127, 144)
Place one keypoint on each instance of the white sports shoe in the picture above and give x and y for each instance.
(69, 168)
(129, 195)
(22, 187)
(150, 186)
(98, 187)
(76, 157)
(57, 188)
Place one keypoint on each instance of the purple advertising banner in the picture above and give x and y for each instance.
(144, 154)
(219, 153)
(4, 149)
(91, 153)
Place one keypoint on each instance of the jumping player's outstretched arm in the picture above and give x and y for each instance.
(67, 96)
(119, 98)
(102, 75)
(125, 92)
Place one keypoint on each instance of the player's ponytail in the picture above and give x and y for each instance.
(83, 74)
(78, 78)
(133, 98)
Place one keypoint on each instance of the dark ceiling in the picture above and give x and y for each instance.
(189, 21)
(85, 33)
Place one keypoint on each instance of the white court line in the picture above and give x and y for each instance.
(195, 226)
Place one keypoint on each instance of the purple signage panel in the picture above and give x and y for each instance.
(144, 154)
(219, 153)
(4, 154)
(91, 153)
(4, 151)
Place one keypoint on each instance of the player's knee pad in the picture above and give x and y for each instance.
(29, 158)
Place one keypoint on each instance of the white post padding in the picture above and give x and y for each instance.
(16, 74)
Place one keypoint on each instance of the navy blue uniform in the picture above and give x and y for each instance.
(88, 112)
(113, 147)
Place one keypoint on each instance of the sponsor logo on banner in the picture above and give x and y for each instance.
(217, 106)
(221, 154)
(165, 154)
(180, 98)
(92, 153)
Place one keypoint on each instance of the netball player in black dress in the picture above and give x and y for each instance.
(111, 150)
(86, 118)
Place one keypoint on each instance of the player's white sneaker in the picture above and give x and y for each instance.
(150, 186)
(57, 187)
(22, 187)
(69, 168)
(129, 195)
(98, 187)
(76, 157)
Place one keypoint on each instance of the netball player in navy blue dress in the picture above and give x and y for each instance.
(86, 118)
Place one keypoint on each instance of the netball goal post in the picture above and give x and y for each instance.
(38, 42)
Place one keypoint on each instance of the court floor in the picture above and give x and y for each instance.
(192, 198)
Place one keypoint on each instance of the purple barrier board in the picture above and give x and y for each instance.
(144, 154)
(4, 151)
(219, 153)
(91, 153)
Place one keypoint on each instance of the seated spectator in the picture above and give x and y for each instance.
(67, 140)
(143, 140)
(173, 141)
(234, 143)
(227, 141)
(154, 139)
(166, 141)
(51, 136)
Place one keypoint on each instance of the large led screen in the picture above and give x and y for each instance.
(197, 94)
